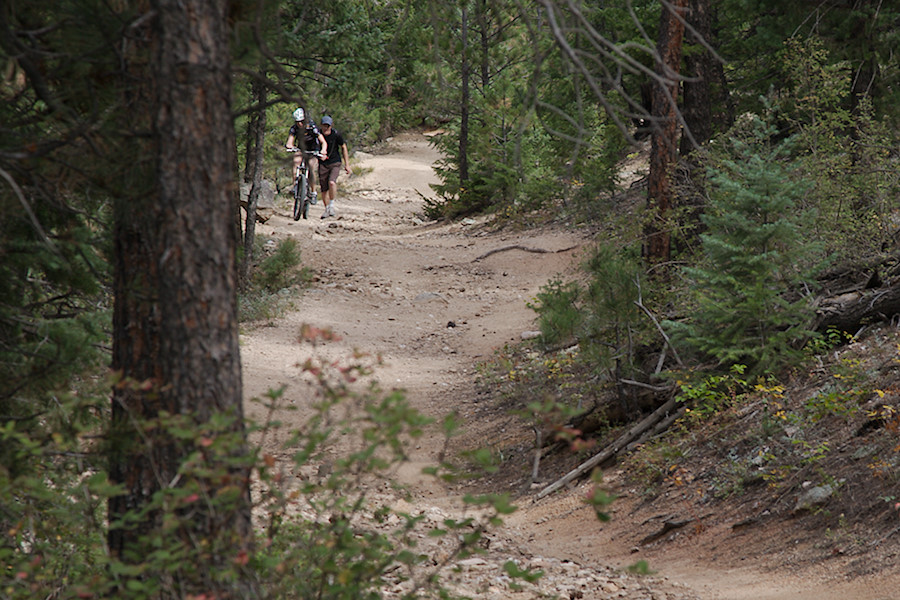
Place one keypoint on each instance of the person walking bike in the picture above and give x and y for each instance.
(305, 136)
(330, 166)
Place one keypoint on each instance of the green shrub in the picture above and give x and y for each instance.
(844, 154)
(559, 314)
(274, 283)
(600, 315)
(279, 270)
(325, 523)
(259, 304)
(712, 393)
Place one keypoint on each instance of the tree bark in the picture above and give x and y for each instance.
(699, 69)
(255, 170)
(664, 137)
(484, 37)
(175, 340)
(464, 104)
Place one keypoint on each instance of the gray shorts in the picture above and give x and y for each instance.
(328, 173)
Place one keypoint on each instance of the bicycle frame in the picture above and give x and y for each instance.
(301, 191)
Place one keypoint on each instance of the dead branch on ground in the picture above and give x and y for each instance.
(612, 450)
(523, 248)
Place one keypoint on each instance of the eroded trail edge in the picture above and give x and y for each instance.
(434, 299)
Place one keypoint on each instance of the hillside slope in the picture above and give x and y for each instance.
(435, 300)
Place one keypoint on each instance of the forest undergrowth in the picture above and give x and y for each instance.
(808, 448)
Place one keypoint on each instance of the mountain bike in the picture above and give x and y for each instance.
(302, 192)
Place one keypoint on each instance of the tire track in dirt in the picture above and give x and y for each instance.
(389, 283)
(392, 284)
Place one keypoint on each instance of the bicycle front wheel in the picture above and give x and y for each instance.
(302, 189)
(299, 195)
(298, 204)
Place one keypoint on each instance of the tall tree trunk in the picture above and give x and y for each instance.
(721, 99)
(664, 137)
(387, 126)
(699, 68)
(250, 138)
(254, 168)
(464, 104)
(175, 321)
(485, 41)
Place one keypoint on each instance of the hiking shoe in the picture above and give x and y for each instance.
(331, 210)
(327, 213)
(315, 198)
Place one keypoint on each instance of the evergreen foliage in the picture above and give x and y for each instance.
(538, 137)
(496, 183)
(277, 280)
(600, 315)
(614, 326)
(54, 213)
(560, 317)
(755, 255)
(859, 35)
(278, 271)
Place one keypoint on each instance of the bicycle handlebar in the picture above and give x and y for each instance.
(305, 152)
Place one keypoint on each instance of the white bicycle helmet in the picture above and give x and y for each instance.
(298, 114)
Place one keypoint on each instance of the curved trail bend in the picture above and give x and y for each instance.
(434, 300)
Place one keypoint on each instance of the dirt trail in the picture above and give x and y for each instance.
(415, 292)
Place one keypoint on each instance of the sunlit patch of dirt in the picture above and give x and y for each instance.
(390, 283)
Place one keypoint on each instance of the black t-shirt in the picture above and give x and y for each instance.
(334, 140)
(309, 141)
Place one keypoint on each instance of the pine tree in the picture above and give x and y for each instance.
(747, 308)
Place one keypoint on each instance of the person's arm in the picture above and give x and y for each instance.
(290, 141)
(323, 145)
(346, 158)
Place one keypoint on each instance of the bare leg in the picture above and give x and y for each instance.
(332, 191)
(297, 159)
(328, 195)
(313, 172)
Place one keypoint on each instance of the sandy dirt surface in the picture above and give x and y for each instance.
(429, 299)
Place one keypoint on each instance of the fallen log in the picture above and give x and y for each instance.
(612, 450)
(849, 312)
(657, 429)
